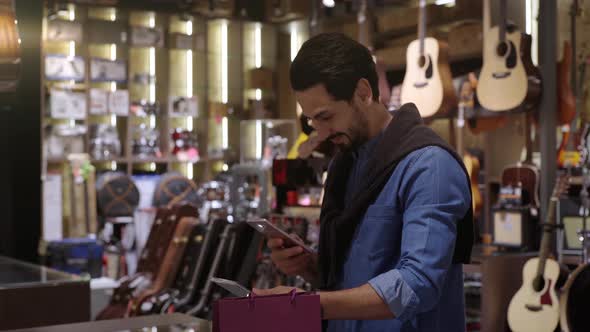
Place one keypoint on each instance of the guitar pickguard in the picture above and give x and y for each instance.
(511, 59)
(428, 72)
(429, 68)
(546, 297)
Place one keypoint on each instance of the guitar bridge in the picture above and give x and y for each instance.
(420, 85)
(533, 307)
(500, 76)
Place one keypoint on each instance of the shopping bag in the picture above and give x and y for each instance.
(292, 312)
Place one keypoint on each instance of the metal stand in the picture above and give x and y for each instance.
(586, 205)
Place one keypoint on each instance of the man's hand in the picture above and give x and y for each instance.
(292, 261)
(359, 303)
(276, 291)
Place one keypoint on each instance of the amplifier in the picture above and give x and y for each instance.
(570, 214)
(514, 228)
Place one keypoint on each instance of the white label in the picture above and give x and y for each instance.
(119, 102)
(61, 30)
(52, 208)
(147, 37)
(61, 67)
(67, 105)
(182, 106)
(98, 101)
(102, 70)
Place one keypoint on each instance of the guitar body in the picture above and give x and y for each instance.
(575, 301)
(565, 96)
(525, 176)
(503, 81)
(429, 86)
(531, 310)
(472, 165)
(534, 86)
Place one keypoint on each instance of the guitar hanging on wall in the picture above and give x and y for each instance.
(428, 81)
(508, 79)
(10, 50)
(535, 306)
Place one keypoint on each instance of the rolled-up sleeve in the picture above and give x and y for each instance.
(435, 196)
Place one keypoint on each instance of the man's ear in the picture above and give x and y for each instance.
(364, 92)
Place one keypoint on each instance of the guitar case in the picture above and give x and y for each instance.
(235, 259)
(117, 195)
(189, 289)
(173, 189)
(182, 282)
(127, 285)
(170, 264)
(200, 307)
(240, 261)
(150, 260)
(575, 301)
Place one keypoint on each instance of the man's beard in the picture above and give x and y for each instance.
(356, 135)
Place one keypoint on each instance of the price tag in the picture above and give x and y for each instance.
(67, 105)
(98, 101)
(103, 70)
(119, 102)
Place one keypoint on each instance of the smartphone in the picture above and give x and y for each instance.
(270, 230)
(231, 286)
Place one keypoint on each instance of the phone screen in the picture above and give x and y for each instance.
(231, 286)
(270, 230)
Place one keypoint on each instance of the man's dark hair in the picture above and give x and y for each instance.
(338, 62)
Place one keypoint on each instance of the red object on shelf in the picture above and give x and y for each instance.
(292, 198)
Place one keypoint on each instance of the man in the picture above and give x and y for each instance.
(396, 221)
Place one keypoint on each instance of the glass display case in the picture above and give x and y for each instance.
(33, 295)
(175, 322)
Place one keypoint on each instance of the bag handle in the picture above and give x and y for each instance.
(292, 295)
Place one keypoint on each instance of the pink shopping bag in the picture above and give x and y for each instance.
(293, 312)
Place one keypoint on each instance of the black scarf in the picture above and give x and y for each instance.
(405, 133)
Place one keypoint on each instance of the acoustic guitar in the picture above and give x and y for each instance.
(428, 80)
(503, 81)
(525, 174)
(565, 96)
(570, 102)
(10, 48)
(535, 306)
(575, 295)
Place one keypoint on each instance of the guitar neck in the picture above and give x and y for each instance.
(547, 240)
(504, 21)
(460, 125)
(487, 18)
(363, 24)
(422, 25)
(528, 140)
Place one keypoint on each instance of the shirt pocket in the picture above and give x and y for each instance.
(380, 232)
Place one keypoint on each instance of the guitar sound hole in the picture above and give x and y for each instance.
(421, 61)
(502, 49)
(538, 283)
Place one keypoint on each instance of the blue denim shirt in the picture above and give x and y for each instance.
(404, 245)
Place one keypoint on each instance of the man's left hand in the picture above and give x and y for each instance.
(276, 291)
